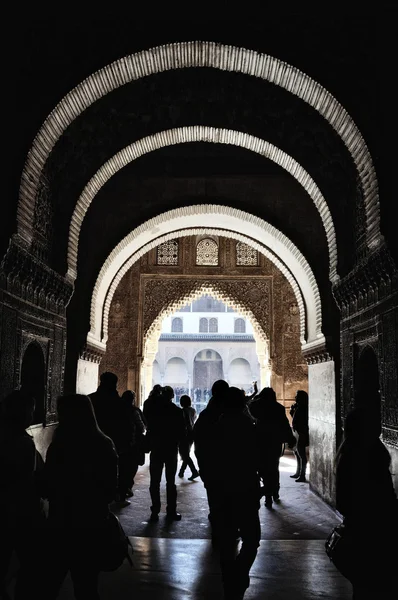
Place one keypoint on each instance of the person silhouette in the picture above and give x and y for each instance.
(166, 428)
(301, 428)
(363, 483)
(113, 419)
(81, 466)
(236, 511)
(205, 435)
(185, 446)
(273, 430)
(21, 511)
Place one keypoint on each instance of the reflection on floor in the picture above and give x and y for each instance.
(178, 563)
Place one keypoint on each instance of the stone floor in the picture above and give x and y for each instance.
(178, 562)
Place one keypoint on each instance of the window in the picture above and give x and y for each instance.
(240, 326)
(213, 325)
(203, 325)
(167, 253)
(207, 252)
(209, 354)
(176, 325)
(246, 255)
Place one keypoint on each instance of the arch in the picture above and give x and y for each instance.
(240, 373)
(239, 325)
(195, 220)
(176, 372)
(207, 252)
(190, 55)
(198, 133)
(213, 325)
(156, 375)
(203, 325)
(176, 325)
(367, 379)
(33, 374)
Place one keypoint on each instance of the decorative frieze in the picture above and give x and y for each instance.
(373, 279)
(26, 277)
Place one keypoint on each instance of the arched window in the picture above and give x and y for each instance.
(167, 253)
(203, 325)
(239, 326)
(207, 252)
(213, 325)
(176, 325)
(246, 255)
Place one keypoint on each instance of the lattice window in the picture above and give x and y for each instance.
(213, 325)
(246, 255)
(207, 252)
(176, 325)
(167, 253)
(240, 326)
(203, 325)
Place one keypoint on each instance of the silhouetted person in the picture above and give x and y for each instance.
(238, 490)
(366, 498)
(21, 515)
(134, 456)
(189, 414)
(112, 419)
(80, 481)
(273, 430)
(166, 431)
(296, 474)
(300, 426)
(206, 438)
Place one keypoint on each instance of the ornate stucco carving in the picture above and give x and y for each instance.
(196, 54)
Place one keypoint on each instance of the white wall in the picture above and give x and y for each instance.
(87, 376)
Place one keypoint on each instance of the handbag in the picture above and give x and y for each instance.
(340, 548)
(112, 546)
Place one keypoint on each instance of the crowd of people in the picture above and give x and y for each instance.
(100, 442)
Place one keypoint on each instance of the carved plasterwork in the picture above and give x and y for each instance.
(250, 298)
(196, 54)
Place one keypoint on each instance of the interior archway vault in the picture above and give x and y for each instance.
(190, 134)
(193, 55)
(152, 334)
(196, 220)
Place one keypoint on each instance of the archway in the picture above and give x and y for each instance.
(196, 220)
(187, 55)
(240, 374)
(367, 382)
(33, 379)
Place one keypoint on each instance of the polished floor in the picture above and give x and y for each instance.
(177, 562)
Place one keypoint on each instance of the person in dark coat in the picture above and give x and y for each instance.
(273, 430)
(21, 511)
(237, 489)
(185, 447)
(80, 480)
(112, 418)
(205, 435)
(301, 428)
(166, 430)
(366, 498)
